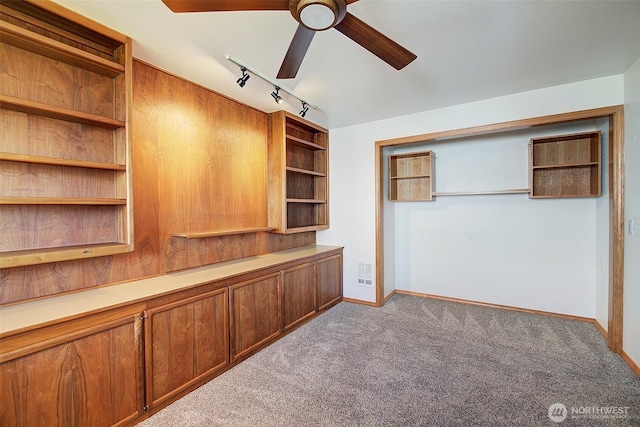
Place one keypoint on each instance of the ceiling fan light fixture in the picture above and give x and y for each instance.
(318, 15)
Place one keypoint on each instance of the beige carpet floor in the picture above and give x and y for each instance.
(420, 362)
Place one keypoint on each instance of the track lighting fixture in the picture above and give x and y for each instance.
(277, 88)
(275, 95)
(245, 76)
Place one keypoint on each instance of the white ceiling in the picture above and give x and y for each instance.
(467, 51)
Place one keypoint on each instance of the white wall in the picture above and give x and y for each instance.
(631, 325)
(352, 160)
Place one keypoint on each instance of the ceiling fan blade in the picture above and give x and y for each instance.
(225, 5)
(297, 49)
(375, 42)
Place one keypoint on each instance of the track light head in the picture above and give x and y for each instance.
(305, 108)
(275, 95)
(245, 76)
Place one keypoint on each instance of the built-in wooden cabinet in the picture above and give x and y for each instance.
(114, 364)
(411, 177)
(298, 156)
(185, 341)
(328, 281)
(298, 294)
(254, 314)
(84, 372)
(566, 166)
(65, 91)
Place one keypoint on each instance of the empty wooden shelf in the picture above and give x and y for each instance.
(566, 166)
(411, 177)
(65, 151)
(298, 174)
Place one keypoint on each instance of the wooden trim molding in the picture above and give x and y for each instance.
(632, 364)
(616, 233)
(359, 301)
(600, 328)
(615, 114)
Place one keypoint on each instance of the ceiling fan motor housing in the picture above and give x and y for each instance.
(318, 15)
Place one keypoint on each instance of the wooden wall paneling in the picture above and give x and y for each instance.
(167, 116)
(222, 248)
(298, 294)
(184, 342)
(281, 242)
(254, 314)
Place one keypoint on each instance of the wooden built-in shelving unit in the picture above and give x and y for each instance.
(566, 166)
(64, 153)
(298, 174)
(411, 177)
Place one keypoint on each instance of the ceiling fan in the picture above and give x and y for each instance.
(312, 16)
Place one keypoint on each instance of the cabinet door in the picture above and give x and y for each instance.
(185, 341)
(254, 314)
(90, 377)
(298, 294)
(329, 281)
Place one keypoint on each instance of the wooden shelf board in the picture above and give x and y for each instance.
(410, 177)
(27, 158)
(61, 201)
(316, 201)
(292, 230)
(204, 234)
(41, 256)
(562, 196)
(567, 165)
(412, 200)
(305, 171)
(304, 143)
(481, 193)
(37, 108)
(36, 43)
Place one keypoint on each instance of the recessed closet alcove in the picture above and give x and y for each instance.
(483, 238)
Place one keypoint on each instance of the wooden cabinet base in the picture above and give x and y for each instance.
(88, 368)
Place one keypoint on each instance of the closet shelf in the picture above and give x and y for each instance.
(205, 234)
(41, 45)
(42, 160)
(481, 193)
(62, 201)
(40, 109)
(566, 165)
